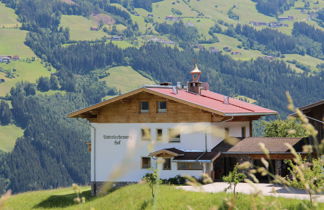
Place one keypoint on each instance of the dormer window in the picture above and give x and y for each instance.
(162, 106)
(144, 106)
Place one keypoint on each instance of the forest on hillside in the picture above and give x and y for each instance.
(52, 153)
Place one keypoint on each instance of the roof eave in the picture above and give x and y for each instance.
(250, 114)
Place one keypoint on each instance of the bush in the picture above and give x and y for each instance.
(177, 180)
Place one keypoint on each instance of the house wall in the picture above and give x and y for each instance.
(119, 147)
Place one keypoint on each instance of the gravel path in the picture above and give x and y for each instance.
(266, 189)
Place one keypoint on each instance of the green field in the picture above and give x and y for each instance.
(306, 60)
(125, 79)
(80, 28)
(8, 18)
(139, 197)
(8, 137)
(24, 72)
(12, 43)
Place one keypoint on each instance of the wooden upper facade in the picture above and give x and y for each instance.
(126, 108)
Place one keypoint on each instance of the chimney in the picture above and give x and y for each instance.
(226, 100)
(194, 86)
(174, 90)
(179, 85)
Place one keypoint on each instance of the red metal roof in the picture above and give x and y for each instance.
(215, 101)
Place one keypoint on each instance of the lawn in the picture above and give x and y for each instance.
(125, 79)
(8, 137)
(80, 28)
(8, 18)
(24, 72)
(139, 197)
(12, 43)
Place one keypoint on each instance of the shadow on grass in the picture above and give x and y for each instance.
(146, 204)
(60, 201)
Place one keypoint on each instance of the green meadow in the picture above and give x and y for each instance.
(22, 71)
(12, 43)
(138, 196)
(8, 18)
(8, 137)
(125, 79)
(80, 28)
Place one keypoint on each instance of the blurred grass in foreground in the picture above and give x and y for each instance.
(136, 196)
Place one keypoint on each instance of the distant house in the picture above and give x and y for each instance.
(255, 23)
(116, 38)
(94, 28)
(15, 57)
(277, 25)
(268, 57)
(5, 59)
(172, 18)
(213, 49)
(289, 18)
(227, 49)
(236, 53)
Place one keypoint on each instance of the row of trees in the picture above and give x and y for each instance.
(273, 7)
(305, 40)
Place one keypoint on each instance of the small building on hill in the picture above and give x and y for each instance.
(185, 126)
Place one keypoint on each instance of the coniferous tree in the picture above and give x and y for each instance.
(5, 113)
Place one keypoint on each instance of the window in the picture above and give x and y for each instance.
(162, 106)
(159, 134)
(226, 132)
(146, 134)
(174, 135)
(243, 132)
(144, 106)
(167, 164)
(146, 162)
(189, 166)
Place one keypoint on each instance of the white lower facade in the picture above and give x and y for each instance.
(118, 148)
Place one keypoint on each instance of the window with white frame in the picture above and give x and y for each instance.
(167, 164)
(146, 162)
(162, 106)
(144, 107)
(146, 134)
(189, 166)
(174, 135)
(159, 134)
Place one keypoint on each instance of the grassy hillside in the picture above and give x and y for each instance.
(125, 79)
(213, 11)
(8, 137)
(138, 197)
(80, 27)
(8, 18)
(11, 37)
(21, 71)
(12, 43)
